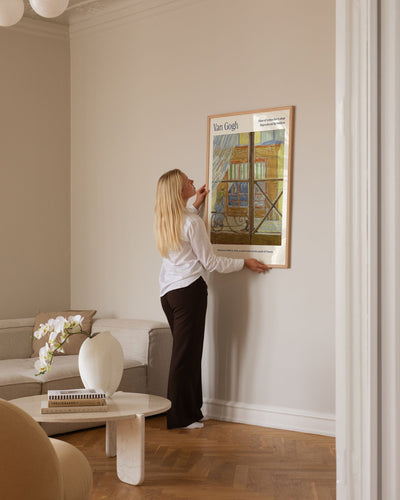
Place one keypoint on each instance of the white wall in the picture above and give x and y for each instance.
(34, 170)
(141, 92)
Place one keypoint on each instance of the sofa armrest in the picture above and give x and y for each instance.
(16, 338)
(160, 349)
(146, 341)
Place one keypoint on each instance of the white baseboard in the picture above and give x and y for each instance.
(264, 416)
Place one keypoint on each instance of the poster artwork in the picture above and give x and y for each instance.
(249, 177)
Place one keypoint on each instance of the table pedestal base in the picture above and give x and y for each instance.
(111, 438)
(130, 450)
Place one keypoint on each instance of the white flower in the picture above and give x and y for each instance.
(44, 352)
(41, 331)
(52, 337)
(42, 365)
(59, 331)
(74, 323)
(64, 336)
(59, 324)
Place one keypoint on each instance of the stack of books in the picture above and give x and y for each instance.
(74, 401)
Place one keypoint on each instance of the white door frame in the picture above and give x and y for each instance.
(390, 248)
(367, 238)
(356, 250)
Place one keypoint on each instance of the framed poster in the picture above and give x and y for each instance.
(249, 178)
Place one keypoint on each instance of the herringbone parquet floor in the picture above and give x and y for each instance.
(221, 461)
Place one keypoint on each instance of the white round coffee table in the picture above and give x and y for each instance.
(125, 426)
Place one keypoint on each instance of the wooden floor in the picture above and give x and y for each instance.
(221, 461)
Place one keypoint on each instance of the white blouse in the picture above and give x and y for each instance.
(195, 257)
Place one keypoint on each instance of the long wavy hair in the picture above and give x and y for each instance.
(169, 210)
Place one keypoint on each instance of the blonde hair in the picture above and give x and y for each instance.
(169, 210)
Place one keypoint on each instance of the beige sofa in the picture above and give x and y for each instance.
(147, 351)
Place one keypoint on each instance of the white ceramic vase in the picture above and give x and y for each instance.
(101, 362)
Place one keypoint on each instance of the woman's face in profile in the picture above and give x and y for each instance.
(188, 189)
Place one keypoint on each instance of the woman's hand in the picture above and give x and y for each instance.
(200, 196)
(255, 265)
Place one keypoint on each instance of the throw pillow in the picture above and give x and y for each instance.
(74, 343)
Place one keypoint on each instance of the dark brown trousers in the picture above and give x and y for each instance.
(185, 309)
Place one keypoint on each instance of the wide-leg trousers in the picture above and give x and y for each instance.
(185, 309)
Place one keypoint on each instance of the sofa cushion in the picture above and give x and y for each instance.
(132, 334)
(17, 379)
(15, 341)
(74, 343)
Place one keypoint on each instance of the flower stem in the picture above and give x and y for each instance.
(88, 335)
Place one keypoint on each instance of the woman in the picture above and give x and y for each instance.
(187, 253)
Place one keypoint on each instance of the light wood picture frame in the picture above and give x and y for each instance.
(249, 175)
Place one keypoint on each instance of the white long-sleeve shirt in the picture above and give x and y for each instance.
(195, 257)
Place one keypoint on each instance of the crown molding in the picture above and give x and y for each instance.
(41, 28)
(92, 16)
(119, 12)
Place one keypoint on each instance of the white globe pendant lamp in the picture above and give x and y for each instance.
(49, 8)
(11, 11)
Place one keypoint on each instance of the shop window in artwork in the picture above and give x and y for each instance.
(247, 202)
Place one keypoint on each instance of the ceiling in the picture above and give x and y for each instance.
(75, 7)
